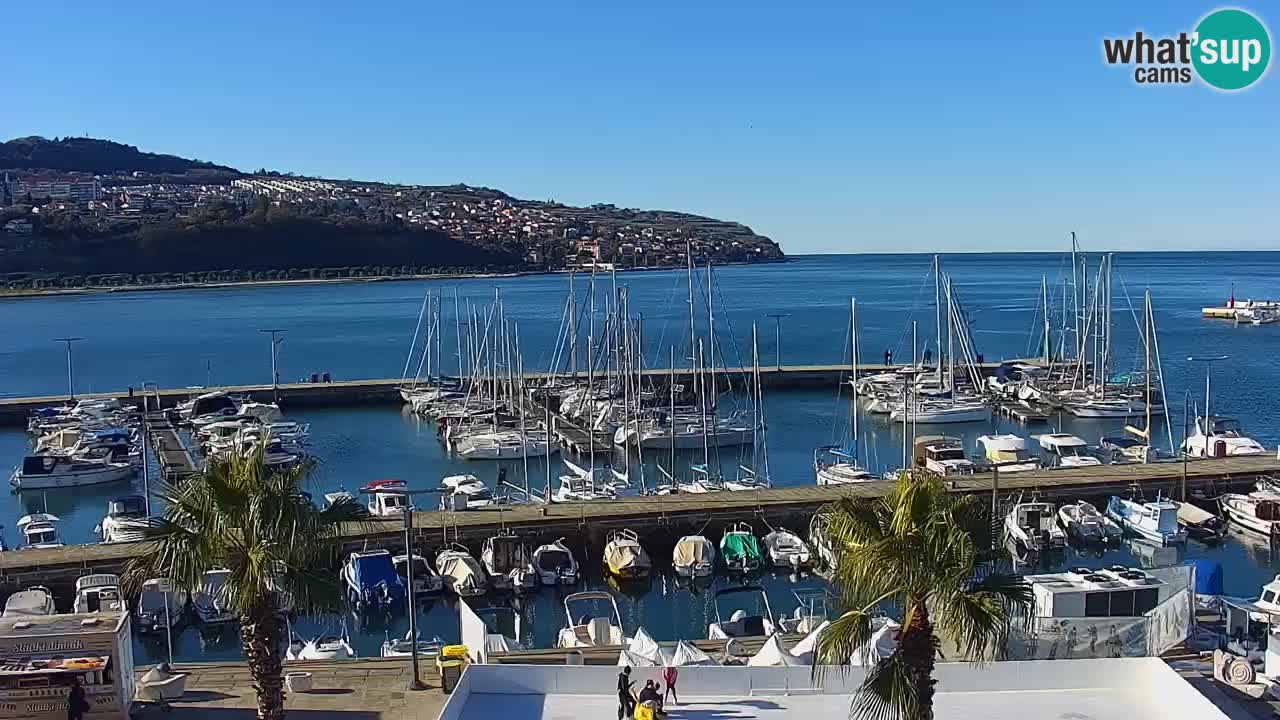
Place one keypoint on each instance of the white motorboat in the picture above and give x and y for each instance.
(835, 466)
(942, 455)
(1097, 407)
(1259, 512)
(326, 647)
(624, 557)
(463, 576)
(1009, 453)
(43, 472)
(38, 530)
(126, 520)
(694, 556)
(98, 593)
(465, 492)
(741, 612)
(209, 600)
(211, 403)
(785, 549)
(160, 606)
(1066, 450)
(1222, 438)
(556, 564)
(1156, 521)
(1086, 523)
(387, 498)
(1033, 526)
(34, 601)
(503, 445)
(575, 488)
(266, 413)
(425, 579)
(403, 647)
(506, 561)
(371, 580)
(942, 411)
(330, 499)
(586, 626)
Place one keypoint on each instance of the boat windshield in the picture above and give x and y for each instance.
(1224, 427)
(1009, 455)
(947, 453)
(41, 536)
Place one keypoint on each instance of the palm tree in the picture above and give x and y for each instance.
(928, 554)
(256, 522)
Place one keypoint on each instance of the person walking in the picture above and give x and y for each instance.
(669, 675)
(76, 705)
(626, 702)
(888, 357)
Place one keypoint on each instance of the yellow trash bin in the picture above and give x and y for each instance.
(450, 664)
(644, 712)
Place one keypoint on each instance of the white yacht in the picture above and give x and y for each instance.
(1098, 407)
(465, 492)
(1034, 527)
(463, 576)
(425, 578)
(556, 564)
(1066, 450)
(751, 615)
(1156, 521)
(126, 520)
(43, 472)
(785, 549)
(1259, 511)
(586, 627)
(386, 498)
(575, 488)
(98, 593)
(160, 606)
(506, 561)
(39, 530)
(503, 445)
(1086, 523)
(942, 411)
(694, 556)
(1009, 453)
(33, 601)
(834, 466)
(266, 413)
(942, 455)
(1220, 437)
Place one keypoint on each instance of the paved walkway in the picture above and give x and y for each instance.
(372, 689)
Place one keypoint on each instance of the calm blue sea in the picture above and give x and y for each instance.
(362, 330)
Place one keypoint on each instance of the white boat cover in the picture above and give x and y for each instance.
(622, 555)
(692, 550)
(805, 649)
(27, 602)
(773, 654)
(626, 657)
(499, 643)
(686, 654)
(643, 645)
(1192, 515)
(883, 643)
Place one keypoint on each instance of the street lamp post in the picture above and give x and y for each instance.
(1208, 361)
(71, 382)
(777, 335)
(275, 375)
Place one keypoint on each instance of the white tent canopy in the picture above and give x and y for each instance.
(773, 654)
(805, 649)
(883, 642)
(645, 646)
(626, 657)
(686, 654)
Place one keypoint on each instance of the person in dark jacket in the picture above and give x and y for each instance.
(76, 704)
(626, 703)
(650, 694)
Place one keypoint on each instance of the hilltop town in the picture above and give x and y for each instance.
(80, 211)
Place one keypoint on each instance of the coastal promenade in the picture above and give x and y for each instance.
(660, 519)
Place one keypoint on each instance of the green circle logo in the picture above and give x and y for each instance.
(1232, 49)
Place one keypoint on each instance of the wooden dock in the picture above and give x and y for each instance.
(661, 519)
(174, 455)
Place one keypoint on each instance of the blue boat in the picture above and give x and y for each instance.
(372, 581)
(1156, 521)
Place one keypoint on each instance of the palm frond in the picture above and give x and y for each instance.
(979, 618)
(888, 693)
(845, 636)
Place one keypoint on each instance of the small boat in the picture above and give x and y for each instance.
(1066, 450)
(586, 626)
(1086, 523)
(126, 520)
(740, 550)
(1200, 523)
(1033, 526)
(1122, 449)
(503, 445)
(1105, 407)
(266, 413)
(786, 550)
(38, 530)
(403, 647)
(327, 647)
(751, 615)
(160, 606)
(462, 575)
(555, 564)
(98, 593)
(834, 466)
(942, 455)
(506, 560)
(34, 601)
(624, 557)
(1156, 521)
(371, 580)
(387, 498)
(425, 579)
(693, 556)
(209, 599)
(1259, 512)
(1220, 437)
(331, 499)
(465, 492)
(44, 472)
(1008, 453)
(942, 411)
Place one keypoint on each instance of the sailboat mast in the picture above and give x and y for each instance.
(457, 331)
(524, 435)
(413, 344)
(853, 363)
(573, 330)
(693, 328)
(591, 364)
(937, 303)
(1044, 291)
(951, 354)
(672, 419)
(702, 380)
(1147, 331)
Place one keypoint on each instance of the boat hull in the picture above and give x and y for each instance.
(96, 476)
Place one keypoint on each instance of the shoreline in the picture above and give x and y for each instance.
(111, 289)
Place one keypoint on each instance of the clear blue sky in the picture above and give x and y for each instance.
(832, 127)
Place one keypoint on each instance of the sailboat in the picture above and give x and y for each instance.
(838, 464)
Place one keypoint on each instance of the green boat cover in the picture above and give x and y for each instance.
(735, 548)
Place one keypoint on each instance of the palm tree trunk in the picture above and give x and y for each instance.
(261, 638)
(919, 648)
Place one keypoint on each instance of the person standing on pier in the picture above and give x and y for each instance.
(888, 357)
(626, 701)
(669, 675)
(76, 705)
